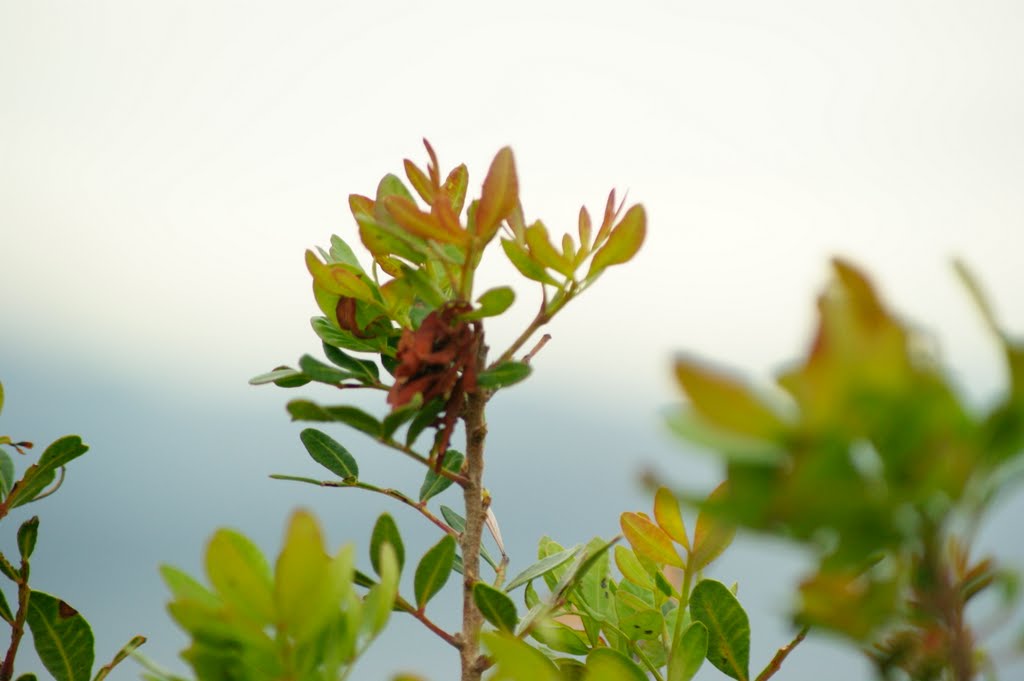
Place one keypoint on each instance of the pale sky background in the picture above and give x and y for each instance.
(163, 166)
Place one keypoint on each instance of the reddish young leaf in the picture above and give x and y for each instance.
(455, 187)
(500, 195)
(423, 225)
(419, 181)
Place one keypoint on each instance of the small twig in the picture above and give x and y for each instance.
(540, 320)
(780, 656)
(386, 491)
(457, 478)
(18, 626)
(537, 348)
(429, 624)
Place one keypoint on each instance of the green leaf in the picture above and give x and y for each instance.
(364, 369)
(380, 600)
(528, 267)
(714, 605)
(329, 454)
(304, 410)
(27, 534)
(516, 660)
(649, 540)
(688, 653)
(385, 531)
(398, 417)
(492, 303)
(308, 584)
(434, 484)
(605, 664)
(423, 420)
(323, 373)
(62, 637)
(541, 568)
(240, 574)
(625, 240)
(41, 474)
(342, 253)
(458, 523)
(503, 375)
(1, 396)
(710, 536)
(62, 452)
(283, 377)
(495, 606)
(560, 637)
(6, 474)
(332, 335)
(184, 588)
(631, 568)
(122, 655)
(5, 609)
(643, 625)
(433, 570)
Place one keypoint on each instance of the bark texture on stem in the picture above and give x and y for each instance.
(472, 620)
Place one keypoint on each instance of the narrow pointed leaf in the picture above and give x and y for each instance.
(541, 568)
(434, 484)
(304, 410)
(649, 540)
(496, 607)
(5, 609)
(284, 377)
(385, 531)
(433, 570)
(324, 373)
(458, 523)
(503, 375)
(713, 605)
(6, 474)
(419, 181)
(365, 369)
(329, 453)
(62, 637)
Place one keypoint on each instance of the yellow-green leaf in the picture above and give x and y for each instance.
(304, 595)
(725, 402)
(623, 243)
(649, 540)
(711, 536)
(631, 568)
(543, 252)
(240, 574)
(666, 512)
(527, 266)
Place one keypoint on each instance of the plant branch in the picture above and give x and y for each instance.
(457, 478)
(780, 656)
(540, 320)
(472, 535)
(429, 624)
(386, 491)
(537, 348)
(18, 626)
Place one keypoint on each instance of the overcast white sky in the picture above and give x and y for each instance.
(163, 166)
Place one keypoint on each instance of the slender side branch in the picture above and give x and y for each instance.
(781, 655)
(429, 624)
(458, 479)
(18, 626)
(386, 491)
(537, 348)
(540, 320)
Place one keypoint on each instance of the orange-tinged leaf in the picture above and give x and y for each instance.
(419, 181)
(455, 187)
(711, 536)
(446, 216)
(585, 229)
(649, 540)
(623, 243)
(610, 213)
(725, 402)
(423, 225)
(499, 196)
(432, 166)
(666, 512)
(543, 252)
(337, 279)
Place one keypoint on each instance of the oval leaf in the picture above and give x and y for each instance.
(711, 536)
(625, 240)
(385, 531)
(499, 196)
(434, 484)
(492, 303)
(433, 571)
(666, 512)
(605, 664)
(496, 607)
(688, 653)
(503, 375)
(61, 636)
(714, 606)
(240, 574)
(649, 540)
(631, 568)
(330, 454)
